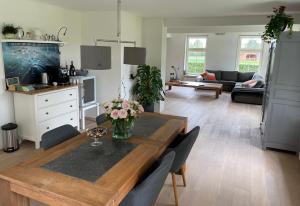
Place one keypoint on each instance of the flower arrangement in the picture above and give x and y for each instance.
(122, 113)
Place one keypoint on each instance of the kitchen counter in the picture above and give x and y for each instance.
(47, 89)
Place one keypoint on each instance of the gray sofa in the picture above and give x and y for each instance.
(232, 82)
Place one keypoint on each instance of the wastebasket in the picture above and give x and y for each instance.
(10, 137)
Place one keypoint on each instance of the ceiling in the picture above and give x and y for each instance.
(181, 8)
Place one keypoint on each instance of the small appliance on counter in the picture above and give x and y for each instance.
(44, 78)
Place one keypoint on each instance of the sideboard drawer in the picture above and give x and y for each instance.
(46, 100)
(57, 110)
(70, 118)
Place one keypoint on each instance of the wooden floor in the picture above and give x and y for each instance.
(227, 166)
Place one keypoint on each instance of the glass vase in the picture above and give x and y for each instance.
(122, 129)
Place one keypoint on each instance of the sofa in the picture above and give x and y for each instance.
(233, 82)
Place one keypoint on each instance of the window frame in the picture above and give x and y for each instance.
(239, 50)
(187, 49)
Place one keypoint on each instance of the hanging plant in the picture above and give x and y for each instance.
(279, 21)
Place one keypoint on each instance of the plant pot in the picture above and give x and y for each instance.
(122, 129)
(149, 107)
(9, 36)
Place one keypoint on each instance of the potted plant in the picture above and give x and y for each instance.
(148, 88)
(9, 31)
(122, 114)
(279, 21)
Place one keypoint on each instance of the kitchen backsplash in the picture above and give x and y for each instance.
(28, 60)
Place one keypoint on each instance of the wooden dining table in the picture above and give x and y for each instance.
(31, 180)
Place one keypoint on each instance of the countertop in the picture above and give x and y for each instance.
(44, 90)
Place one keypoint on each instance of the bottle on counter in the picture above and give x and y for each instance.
(72, 69)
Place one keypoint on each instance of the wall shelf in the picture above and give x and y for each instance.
(31, 41)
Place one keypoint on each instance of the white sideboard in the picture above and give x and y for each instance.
(39, 112)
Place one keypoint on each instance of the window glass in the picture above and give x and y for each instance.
(196, 55)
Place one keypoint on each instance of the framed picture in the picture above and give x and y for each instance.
(12, 82)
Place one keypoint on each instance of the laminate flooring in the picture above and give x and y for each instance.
(227, 166)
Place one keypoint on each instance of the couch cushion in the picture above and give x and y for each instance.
(227, 83)
(229, 75)
(258, 77)
(216, 72)
(245, 76)
(210, 81)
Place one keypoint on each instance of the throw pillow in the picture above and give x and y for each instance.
(252, 85)
(204, 75)
(247, 83)
(211, 76)
(259, 84)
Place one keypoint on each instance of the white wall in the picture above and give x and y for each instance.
(175, 53)
(131, 31)
(104, 25)
(221, 52)
(154, 35)
(48, 19)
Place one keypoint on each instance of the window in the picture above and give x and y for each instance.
(195, 54)
(250, 53)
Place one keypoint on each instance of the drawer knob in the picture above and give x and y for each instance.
(71, 94)
(71, 105)
(47, 113)
(71, 119)
(46, 100)
(48, 128)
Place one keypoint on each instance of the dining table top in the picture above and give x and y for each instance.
(30, 180)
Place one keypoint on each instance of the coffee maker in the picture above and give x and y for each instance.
(58, 74)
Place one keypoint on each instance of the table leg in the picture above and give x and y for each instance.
(98, 109)
(19, 200)
(170, 87)
(217, 94)
(9, 198)
(83, 120)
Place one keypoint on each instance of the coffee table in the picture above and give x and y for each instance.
(197, 85)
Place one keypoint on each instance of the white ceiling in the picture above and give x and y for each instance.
(181, 8)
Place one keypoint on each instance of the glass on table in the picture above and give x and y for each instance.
(96, 134)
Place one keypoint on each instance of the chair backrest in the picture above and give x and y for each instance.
(183, 147)
(58, 135)
(147, 191)
(101, 119)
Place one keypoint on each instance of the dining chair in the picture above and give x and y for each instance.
(145, 193)
(182, 146)
(101, 119)
(58, 135)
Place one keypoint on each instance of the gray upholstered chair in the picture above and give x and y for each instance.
(58, 135)
(182, 146)
(101, 119)
(145, 193)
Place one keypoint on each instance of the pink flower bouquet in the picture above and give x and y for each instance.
(122, 114)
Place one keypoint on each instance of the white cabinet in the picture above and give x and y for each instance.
(281, 119)
(40, 112)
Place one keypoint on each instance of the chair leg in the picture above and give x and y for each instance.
(183, 177)
(182, 173)
(175, 189)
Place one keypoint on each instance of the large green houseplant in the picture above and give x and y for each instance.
(148, 88)
(279, 21)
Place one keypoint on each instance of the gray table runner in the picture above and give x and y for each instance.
(145, 126)
(90, 163)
